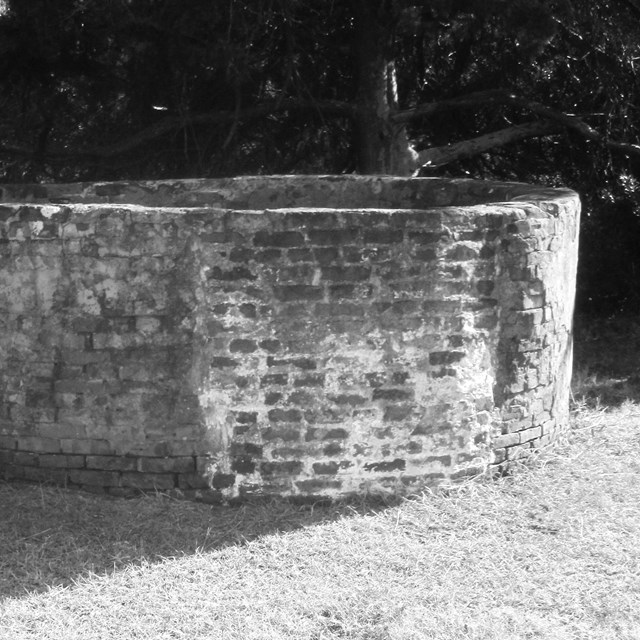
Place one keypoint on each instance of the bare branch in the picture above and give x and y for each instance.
(495, 96)
(470, 100)
(438, 156)
(157, 130)
(501, 96)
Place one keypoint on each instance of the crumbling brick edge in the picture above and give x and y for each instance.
(302, 336)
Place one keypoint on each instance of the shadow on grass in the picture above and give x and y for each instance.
(606, 370)
(52, 537)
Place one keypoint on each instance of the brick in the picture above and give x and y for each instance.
(272, 397)
(85, 446)
(39, 474)
(445, 461)
(386, 465)
(318, 484)
(174, 464)
(88, 324)
(314, 380)
(274, 378)
(61, 461)
(111, 463)
(445, 357)
(241, 254)
(242, 345)
(383, 236)
(288, 293)
(506, 440)
(243, 464)
(12, 472)
(221, 362)
(81, 358)
(281, 239)
(271, 346)
(182, 447)
(285, 415)
(290, 452)
(326, 468)
(427, 237)
(325, 255)
(94, 478)
(229, 275)
(62, 430)
(248, 310)
(268, 256)
(220, 309)
(485, 287)
(462, 253)
(38, 398)
(288, 467)
(333, 449)
(426, 254)
(286, 434)
(487, 322)
(411, 447)
(340, 309)
(337, 433)
(396, 413)
(392, 394)
(246, 417)
(350, 399)
(530, 434)
(487, 252)
(301, 398)
(296, 273)
(26, 458)
(38, 445)
(305, 364)
(7, 442)
(222, 480)
(300, 255)
(333, 237)
(342, 290)
(351, 273)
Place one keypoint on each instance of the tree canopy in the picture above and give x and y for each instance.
(537, 90)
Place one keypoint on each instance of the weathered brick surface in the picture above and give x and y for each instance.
(293, 335)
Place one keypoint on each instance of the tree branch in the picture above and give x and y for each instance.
(469, 100)
(501, 96)
(157, 130)
(438, 156)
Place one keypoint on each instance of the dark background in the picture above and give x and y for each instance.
(146, 89)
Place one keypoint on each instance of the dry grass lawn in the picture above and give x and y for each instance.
(552, 552)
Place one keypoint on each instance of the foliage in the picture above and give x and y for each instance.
(148, 89)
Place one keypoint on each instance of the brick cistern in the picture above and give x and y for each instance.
(292, 335)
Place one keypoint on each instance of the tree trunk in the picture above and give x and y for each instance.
(382, 146)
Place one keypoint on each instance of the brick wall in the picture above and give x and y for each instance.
(291, 335)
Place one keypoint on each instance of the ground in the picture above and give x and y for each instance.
(550, 552)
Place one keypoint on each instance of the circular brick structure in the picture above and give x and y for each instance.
(292, 335)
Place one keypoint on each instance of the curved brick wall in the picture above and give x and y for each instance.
(281, 335)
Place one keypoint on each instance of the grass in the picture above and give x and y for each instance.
(551, 552)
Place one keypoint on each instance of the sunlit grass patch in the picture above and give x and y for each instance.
(550, 552)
